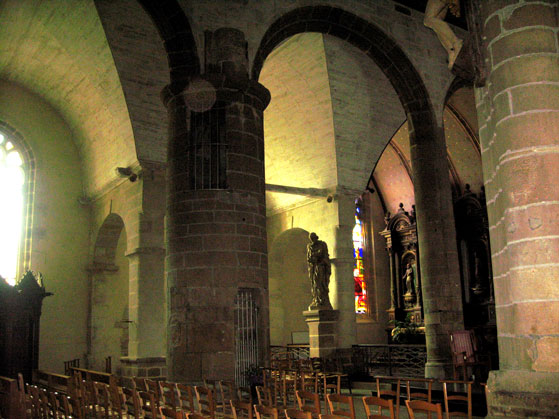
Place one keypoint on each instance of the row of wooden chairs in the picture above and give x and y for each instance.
(420, 389)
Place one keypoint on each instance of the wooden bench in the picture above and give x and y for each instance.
(10, 399)
(100, 377)
(51, 381)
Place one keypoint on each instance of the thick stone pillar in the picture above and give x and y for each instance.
(440, 274)
(216, 218)
(518, 110)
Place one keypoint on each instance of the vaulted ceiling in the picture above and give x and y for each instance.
(57, 49)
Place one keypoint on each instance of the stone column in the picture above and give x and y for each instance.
(518, 110)
(216, 218)
(440, 274)
(323, 331)
(146, 357)
(342, 268)
(146, 347)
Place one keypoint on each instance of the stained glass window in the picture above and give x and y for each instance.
(358, 271)
(12, 179)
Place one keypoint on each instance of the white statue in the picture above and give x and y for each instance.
(435, 12)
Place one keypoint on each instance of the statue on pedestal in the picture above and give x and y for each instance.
(319, 272)
(435, 12)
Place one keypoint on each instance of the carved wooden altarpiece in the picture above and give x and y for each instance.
(405, 280)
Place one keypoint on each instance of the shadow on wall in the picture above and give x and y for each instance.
(289, 286)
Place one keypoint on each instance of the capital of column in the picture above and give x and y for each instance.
(213, 87)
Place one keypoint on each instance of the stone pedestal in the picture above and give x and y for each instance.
(323, 333)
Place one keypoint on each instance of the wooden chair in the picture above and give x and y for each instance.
(390, 394)
(186, 398)
(147, 404)
(131, 402)
(265, 412)
(331, 383)
(205, 400)
(242, 410)
(166, 412)
(465, 354)
(309, 402)
(153, 387)
(308, 381)
(421, 406)
(463, 397)
(324, 416)
(194, 415)
(116, 398)
(264, 395)
(168, 393)
(297, 414)
(228, 392)
(244, 394)
(416, 393)
(344, 405)
(102, 404)
(380, 404)
(140, 383)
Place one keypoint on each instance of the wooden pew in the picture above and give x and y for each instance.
(11, 405)
(100, 377)
(51, 381)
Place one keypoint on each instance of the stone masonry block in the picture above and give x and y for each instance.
(528, 130)
(535, 97)
(515, 353)
(527, 41)
(531, 15)
(524, 70)
(547, 354)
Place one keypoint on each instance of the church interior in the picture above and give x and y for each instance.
(163, 163)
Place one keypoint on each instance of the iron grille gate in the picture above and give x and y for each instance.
(246, 335)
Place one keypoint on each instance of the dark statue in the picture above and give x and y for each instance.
(319, 272)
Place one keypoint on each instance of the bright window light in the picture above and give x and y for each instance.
(12, 179)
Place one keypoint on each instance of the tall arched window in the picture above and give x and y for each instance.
(12, 211)
(358, 270)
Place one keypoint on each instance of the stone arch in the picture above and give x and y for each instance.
(180, 45)
(109, 295)
(28, 192)
(373, 42)
(288, 283)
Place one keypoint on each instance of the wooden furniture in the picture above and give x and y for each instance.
(186, 398)
(131, 401)
(20, 313)
(228, 392)
(206, 401)
(147, 404)
(341, 405)
(168, 393)
(170, 413)
(451, 397)
(297, 414)
(309, 402)
(465, 354)
(417, 393)
(380, 404)
(11, 399)
(242, 410)
(392, 394)
(153, 387)
(265, 412)
(421, 406)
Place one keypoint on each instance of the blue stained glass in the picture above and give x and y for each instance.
(360, 252)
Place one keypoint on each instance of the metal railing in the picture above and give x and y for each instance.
(400, 360)
(292, 351)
